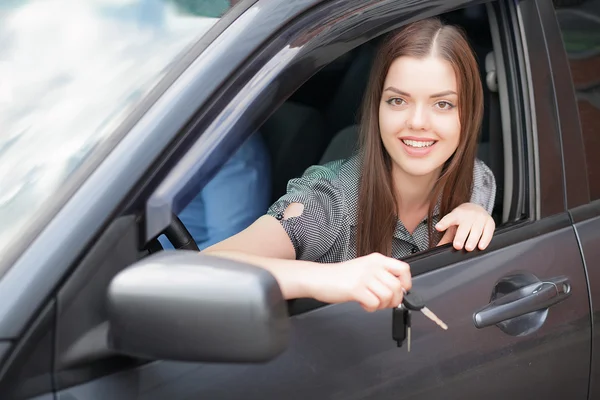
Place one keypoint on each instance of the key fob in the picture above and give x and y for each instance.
(400, 321)
(413, 301)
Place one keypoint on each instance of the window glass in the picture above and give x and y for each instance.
(70, 72)
(580, 25)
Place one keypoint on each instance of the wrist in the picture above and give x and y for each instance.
(301, 281)
(311, 280)
(321, 280)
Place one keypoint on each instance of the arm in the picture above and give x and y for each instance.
(300, 228)
(266, 244)
(374, 281)
(237, 195)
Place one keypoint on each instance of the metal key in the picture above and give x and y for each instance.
(401, 325)
(414, 302)
(407, 321)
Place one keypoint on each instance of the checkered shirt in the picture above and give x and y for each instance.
(326, 230)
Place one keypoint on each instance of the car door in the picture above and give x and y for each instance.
(576, 29)
(518, 313)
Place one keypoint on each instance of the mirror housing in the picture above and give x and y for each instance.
(186, 306)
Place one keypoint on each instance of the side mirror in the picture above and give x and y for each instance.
(186, 306)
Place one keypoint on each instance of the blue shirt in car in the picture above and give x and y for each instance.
(238, 195)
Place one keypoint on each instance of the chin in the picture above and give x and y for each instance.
(418, 169)
(418, 172)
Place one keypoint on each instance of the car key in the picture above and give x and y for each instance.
(413, 301)
(407, 320)
(401, 325)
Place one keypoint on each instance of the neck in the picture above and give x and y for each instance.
(413, 193)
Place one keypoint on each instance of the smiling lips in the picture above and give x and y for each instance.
(418, 143)
(418, 146)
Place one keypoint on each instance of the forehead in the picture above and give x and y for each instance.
(430, 74)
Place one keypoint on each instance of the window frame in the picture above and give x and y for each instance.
(200, 161)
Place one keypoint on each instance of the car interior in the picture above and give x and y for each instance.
(318, 123)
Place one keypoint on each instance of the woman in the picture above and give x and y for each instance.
(337, 234)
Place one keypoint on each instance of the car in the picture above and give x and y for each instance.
(117, 113)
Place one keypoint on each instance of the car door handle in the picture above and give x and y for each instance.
(530, 298)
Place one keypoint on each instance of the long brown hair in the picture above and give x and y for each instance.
(377, 205)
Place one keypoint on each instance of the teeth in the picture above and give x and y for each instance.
(418, 144)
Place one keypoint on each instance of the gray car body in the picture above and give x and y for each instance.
(336, 351)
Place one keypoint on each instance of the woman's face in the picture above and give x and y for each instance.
(418, 114)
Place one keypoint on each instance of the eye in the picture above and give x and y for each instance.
(396, 101)
(444, 105)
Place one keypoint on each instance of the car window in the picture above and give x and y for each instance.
(317, 124)
(70, 72)
(580, 27)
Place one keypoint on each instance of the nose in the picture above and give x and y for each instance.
(418, 119)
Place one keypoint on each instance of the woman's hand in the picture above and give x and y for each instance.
(468, 225)
(374, 281)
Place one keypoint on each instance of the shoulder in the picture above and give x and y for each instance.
(484, 186)
(483, 175)
(323, 217)
(334, 177)
(331, 170)
(321, 187)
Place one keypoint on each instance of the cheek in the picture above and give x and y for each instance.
(389, 122)
(448, 128)
(382, 121)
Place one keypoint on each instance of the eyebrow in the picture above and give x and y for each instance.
(401, 93)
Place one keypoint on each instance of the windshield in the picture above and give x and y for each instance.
(70, 72)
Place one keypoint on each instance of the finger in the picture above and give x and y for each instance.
(475, 234)
(447, 221)
(461, 235)
(383, 293)
(394, 284)
(448, 236)
(401, 270)
(488, 233)
(368, 300)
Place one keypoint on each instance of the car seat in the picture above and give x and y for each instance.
(295, 136)
(343, 108)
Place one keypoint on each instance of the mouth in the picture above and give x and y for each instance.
(418, 144)
(417, 147)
